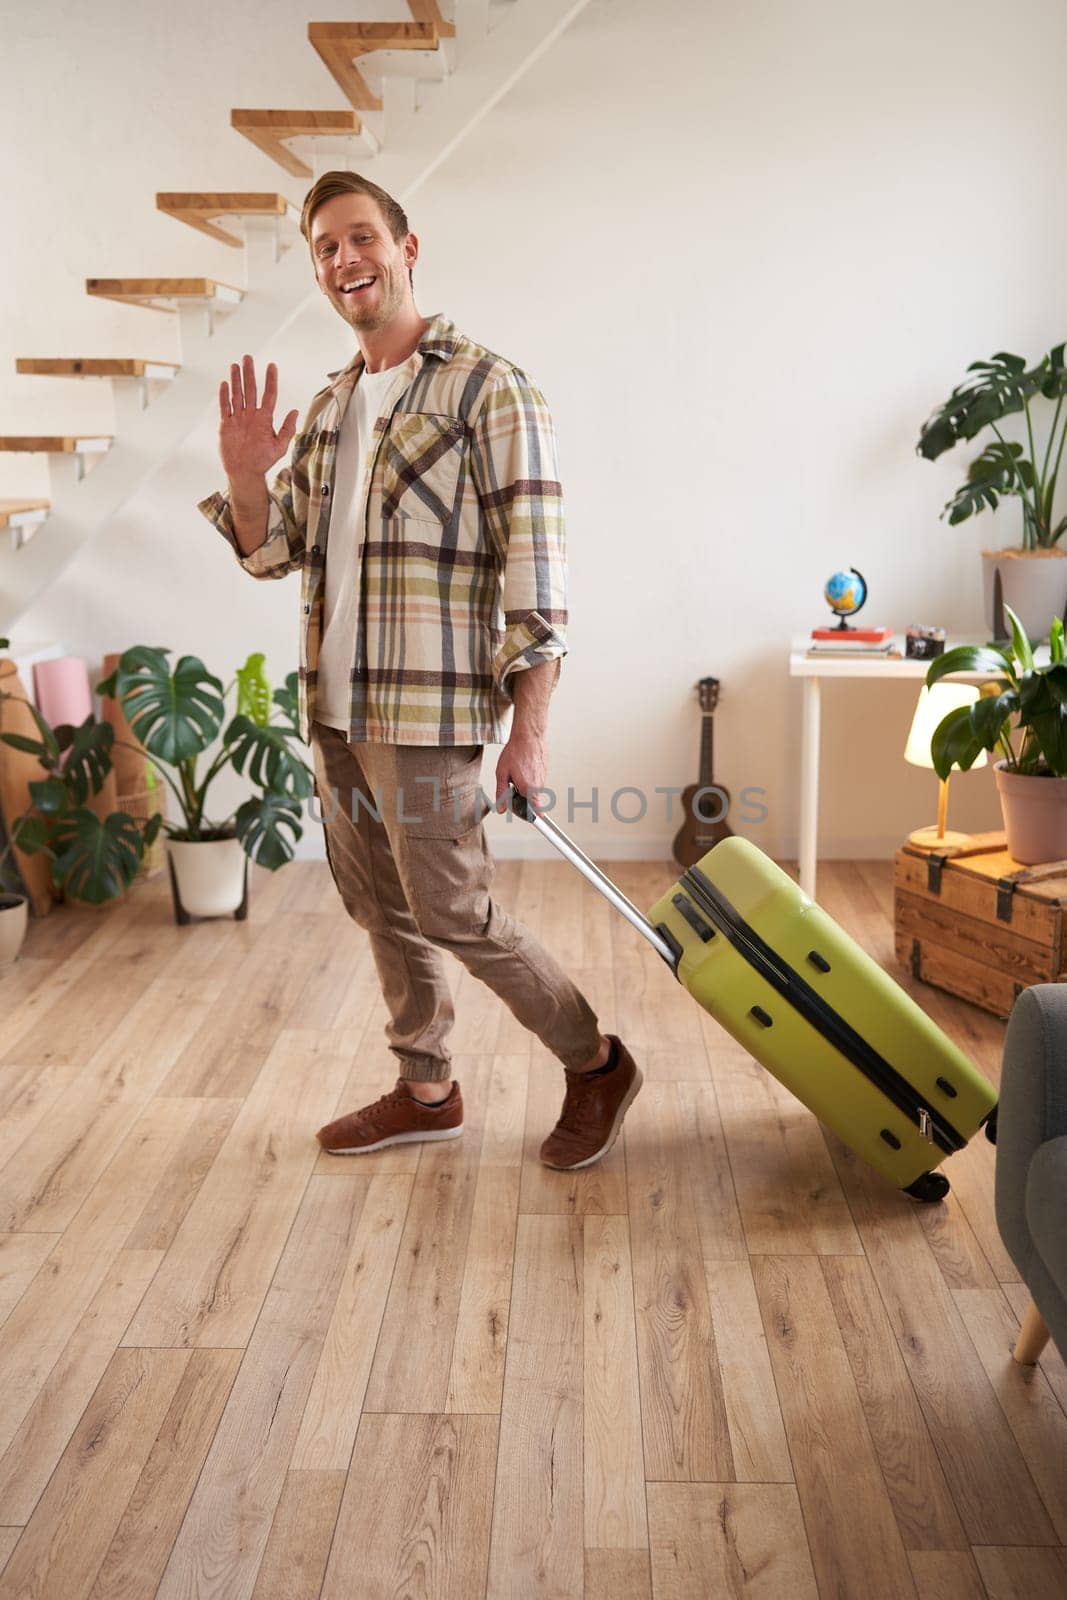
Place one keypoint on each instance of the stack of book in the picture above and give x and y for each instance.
(851, 642)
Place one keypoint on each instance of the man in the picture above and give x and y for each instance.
(422, 508)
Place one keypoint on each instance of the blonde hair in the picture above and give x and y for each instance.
(332, 184)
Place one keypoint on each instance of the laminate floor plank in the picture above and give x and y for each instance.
(946, 1575)
(21, 1258)
(44, 1183)
(224, 1533)
(991, 1486)
(729, 1539)
(479, 1350)
(28, 1462)
(686, 1431)
(1016, 1573)
(424, 1528)
(855, 1542)
(211, 1285)
(1032, 1410)
(294, 1562)
(536, 1547)
(410, 1368)
(227, 1052)
(141, 1544)
(331, 1416)
(753, 1412)
(914, 1478)
(614, 1496)
(34, 1335)
(68, 1535)
(618, 1575)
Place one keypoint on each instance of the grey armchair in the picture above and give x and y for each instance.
(1031, 1169)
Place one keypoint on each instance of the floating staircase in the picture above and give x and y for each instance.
(491, 44)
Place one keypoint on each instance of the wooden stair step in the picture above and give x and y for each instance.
(95, 367)
(430, 11)
(267, 130)
(16, 511)
(163, 294)
(198, 209)
(57, 444)
(341, 44)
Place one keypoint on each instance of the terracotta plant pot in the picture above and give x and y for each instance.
(1032, 582)
(14, 910)
(1035, 816)
(208, 878)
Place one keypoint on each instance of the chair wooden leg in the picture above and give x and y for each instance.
(1033, 1337)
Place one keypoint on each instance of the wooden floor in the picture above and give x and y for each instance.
(727, 1360)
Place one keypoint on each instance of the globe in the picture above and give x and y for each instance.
(845, 592)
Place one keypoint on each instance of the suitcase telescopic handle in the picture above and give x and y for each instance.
(589, 870)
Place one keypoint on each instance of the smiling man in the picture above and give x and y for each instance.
(423, 509)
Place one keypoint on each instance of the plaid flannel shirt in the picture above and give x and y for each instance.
(462, 563)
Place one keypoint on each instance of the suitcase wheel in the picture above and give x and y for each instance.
(990, 1125)
(930, 1187)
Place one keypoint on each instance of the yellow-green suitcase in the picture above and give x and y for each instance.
(812, 1007)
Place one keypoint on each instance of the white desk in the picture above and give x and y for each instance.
(813, 669)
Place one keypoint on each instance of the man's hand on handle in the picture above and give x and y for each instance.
(524, 763)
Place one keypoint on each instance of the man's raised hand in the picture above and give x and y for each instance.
(248, 444)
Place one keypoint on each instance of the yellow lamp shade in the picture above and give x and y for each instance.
(933, 707)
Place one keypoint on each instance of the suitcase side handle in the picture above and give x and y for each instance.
(670, 951)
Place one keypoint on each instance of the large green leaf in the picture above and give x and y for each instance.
(261, 823)
(1056, 640)
(1043, 709)
(995, 472)
(50, 796)
(970, 658)
(175, 714)
(288, 698)
(955, 743)
(46, 748)
(999, 387)
(270, 762)
(1022, 649)
(89, 757)
(94, 860)
(253, 690)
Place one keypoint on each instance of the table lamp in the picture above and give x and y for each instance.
(933, 707)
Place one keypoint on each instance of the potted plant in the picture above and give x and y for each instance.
(92, 859)
(1028, 702)
(177, 715)
(1031, 578)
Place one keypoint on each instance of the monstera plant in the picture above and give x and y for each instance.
(92, 858)
(177, 715)
(1029, 578)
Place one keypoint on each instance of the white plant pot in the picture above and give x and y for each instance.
(1035, 816)
(209, 878)
(1032, 582)
(14, 910)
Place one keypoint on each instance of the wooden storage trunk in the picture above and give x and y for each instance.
(973, 921)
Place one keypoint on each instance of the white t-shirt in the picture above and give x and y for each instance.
(341, 615)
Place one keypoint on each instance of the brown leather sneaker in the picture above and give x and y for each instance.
(396, 1118)
(592, 1113)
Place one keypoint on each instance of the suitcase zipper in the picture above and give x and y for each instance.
(822, 1017)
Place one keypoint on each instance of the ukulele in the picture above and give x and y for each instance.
(705, 819)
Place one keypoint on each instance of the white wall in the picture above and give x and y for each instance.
(745, 250)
